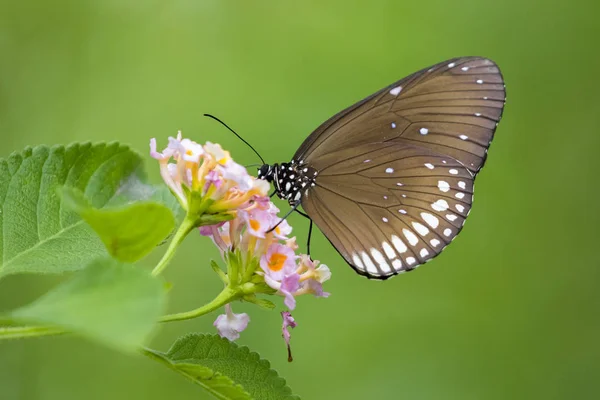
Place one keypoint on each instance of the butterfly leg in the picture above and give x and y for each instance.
(284, 217)
(309, 230)
(308, 240)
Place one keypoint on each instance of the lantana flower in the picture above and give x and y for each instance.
(232, 208)
(288, 322)
(205, 179)
(229, 325)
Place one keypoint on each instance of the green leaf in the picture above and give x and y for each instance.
(109, 302)
(129, 232)
(38, 234)
(138, 190)
(216, 384)
(208, 359)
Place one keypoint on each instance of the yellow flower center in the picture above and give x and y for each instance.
(254, 224)
(278, 230)
(276, 261)
(189, 152)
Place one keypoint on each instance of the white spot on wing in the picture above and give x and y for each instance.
(447, 231)
(388, 250)
(366, 161)
(453, 171)
(462, 184)
(397, 264)
(463, 137)
(380, 259)
(411, 237)
(369, 263)
(393, 124)
(420, 228)
(424, 253)
(440, 205)
(431, 220)
(396, 91)
(384, 219)
(399, 244)
(423, 131)
(451, 217)
(402, 211)
(479, 81)
(459, 195)
(389, 170)
(357, 262)
(399, 184)
(465, 69)
(460, 208)
(443, 186)
(410, 260)
(428, 165)
(434, 242)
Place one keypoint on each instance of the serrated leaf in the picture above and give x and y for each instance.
(38, 234)
(227, 359)
(221, 387)
(109, 302)
(129, 232)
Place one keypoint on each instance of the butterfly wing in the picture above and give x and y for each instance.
(396, 170)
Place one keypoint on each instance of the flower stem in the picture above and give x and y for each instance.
(186, 227)
(226, 296)
(22, 332)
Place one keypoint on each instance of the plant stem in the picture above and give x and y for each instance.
(186, 227)
(21, 332)
(226, 296)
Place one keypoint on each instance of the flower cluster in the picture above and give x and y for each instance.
(283, 271)
(254, 242)
(204, 178)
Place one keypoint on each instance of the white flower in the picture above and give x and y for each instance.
(229, 325)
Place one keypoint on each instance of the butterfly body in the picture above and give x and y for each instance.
(389, 180)
(291, 180)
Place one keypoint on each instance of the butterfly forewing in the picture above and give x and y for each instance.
(396, 170)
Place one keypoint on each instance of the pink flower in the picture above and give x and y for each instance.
(262, 202)
(257, 222)
(291, 243)
(313, 277)
(167, 153)
(212, 178)
(288, 322)
(279, 261)
(282, 230)
(289, 285)
(191, 151)
(229, 325)
(207, 176)
(237, 173)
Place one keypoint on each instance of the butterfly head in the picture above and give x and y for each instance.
(266, 172)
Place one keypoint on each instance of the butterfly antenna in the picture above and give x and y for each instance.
(239, 137)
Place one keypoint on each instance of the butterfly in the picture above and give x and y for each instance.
(389, 180)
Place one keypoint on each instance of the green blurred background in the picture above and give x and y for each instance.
(509, 311)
